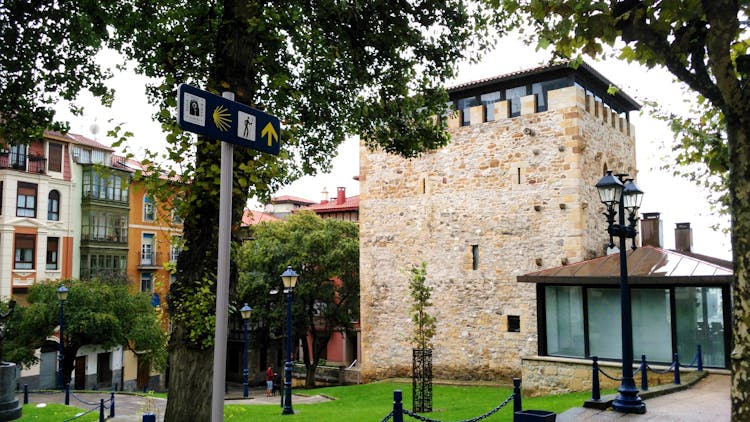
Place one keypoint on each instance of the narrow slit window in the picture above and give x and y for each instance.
(474, 257)
(518, 176)
(514, 324)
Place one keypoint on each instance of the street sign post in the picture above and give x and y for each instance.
(223, 119)
(226, 120)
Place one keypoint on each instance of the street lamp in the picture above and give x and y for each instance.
(613, 193)
(62, 295)
(289, 277)
(245, 311)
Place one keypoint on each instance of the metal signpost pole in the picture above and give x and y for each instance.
(223, 119)
(222, 278)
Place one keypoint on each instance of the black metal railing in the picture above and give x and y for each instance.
(398, 412)
(644, 369)
(101, 406)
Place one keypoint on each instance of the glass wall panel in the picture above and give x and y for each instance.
(605, 332)
(564, 320)
(513, 95)
(700, 321)
(652, 324)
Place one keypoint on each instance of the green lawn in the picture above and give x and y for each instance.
(372, 402)
(55, 413)
(367, 402)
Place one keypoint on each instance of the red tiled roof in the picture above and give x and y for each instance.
(350, 204)
(80, 139)
(252, 217)
(286, 199)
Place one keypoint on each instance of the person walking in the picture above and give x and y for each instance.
(269, 381)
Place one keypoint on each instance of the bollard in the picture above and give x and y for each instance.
(517, 405)
(595, 390)
(101, 410)
(700, 358)
(67, 394)
(398, 407)
(644, 373)
(112, 405)
(26, 394)
(676, 369)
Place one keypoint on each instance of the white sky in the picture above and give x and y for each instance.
(677, 200)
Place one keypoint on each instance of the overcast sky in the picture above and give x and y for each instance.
(677, 200)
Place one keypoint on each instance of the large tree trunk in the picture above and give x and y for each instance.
(191, 362)
(739, 186)
(190, 374)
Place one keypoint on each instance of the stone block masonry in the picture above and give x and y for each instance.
(504, 198)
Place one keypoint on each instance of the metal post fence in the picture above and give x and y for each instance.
(700, 358)
(26, 394)
(644, 373)
(101, 410)
(676, 369)
(595, 389)
(398, 406)
(112, 405)
(67, 394)
(517, 405)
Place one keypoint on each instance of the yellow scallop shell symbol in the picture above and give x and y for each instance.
(222, 119)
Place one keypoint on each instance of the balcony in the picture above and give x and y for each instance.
(27, 164)
(148, 261)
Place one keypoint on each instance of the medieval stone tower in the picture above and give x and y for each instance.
(511, 194)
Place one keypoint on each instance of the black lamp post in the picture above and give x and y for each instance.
(62, 295)
(289, 277)
(613, 193)
(245, 311)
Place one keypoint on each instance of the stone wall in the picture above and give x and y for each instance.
(542, 375)
(505, 198)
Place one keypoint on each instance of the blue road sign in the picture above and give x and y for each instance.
(219, 118)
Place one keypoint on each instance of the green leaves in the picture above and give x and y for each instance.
(424, 323)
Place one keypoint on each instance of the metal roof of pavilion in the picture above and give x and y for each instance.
(646, 265)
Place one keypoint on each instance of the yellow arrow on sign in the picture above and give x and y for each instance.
(271, 132)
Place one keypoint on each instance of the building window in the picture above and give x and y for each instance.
(18, 155)
(513, 96)
(176, 218)
(147, 249)
(53, 206)
(55, 157)
(1, 197)
(465, 105)
(53, 244)
(542, 88)
(147, 282)
(24, 254)
(514, 324)
(26, 200)
(474, 257)
(564, 320)
(489, 100)
(175, 248)
(148, 209)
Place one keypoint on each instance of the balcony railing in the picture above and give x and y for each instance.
(29, 164)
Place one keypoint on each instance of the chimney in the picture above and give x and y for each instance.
(324, 196)
(683, 237)
(651, 230)
(340, 195)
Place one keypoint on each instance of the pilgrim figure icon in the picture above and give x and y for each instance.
(246, 126)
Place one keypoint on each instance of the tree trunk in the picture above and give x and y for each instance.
(739, 187)
(190, 375)
(190, 361)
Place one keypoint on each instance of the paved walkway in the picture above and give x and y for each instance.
(707, 400)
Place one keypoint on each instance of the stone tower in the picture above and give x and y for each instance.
(512, 193)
